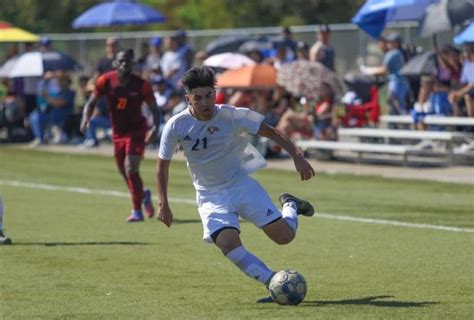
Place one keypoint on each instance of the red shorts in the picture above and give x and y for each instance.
(129, 144)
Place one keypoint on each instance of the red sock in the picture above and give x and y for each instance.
(135, 185)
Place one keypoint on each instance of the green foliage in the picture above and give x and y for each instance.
(52, 16)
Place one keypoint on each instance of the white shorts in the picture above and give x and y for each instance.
(245, 199)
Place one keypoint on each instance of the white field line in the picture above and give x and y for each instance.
(32, 185)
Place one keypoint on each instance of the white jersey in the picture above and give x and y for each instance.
(217, 155)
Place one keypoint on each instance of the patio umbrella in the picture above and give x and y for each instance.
(467, 35)
(258, 76)
(34, 64)
(227, 43)
(304, 78)
(374, 15)
(444, 15)
(228, 60)
(9, 33)
(421, 64)
(117, 12)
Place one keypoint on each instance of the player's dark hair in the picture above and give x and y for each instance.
(198, 77)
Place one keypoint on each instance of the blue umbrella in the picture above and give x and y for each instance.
(467, 35)
(376, 14)
(117, 12)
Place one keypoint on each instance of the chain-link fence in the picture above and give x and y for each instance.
(351, 44)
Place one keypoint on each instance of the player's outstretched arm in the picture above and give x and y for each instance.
(87, 112)
(303, 167)
(162, 172)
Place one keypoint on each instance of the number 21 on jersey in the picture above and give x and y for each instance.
(122, 103)
(197, 146)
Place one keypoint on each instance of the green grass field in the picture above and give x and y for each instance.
(74, 257)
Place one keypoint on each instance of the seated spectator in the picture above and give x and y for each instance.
(317, 123)
(56, 103)
(466, 92)
(100, 120)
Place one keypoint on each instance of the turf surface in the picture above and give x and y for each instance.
(74, 257)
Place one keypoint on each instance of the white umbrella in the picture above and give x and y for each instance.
(34, 64)
(228, 61)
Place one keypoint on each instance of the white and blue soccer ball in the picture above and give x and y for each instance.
(288, 287)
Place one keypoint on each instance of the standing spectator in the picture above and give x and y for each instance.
(185, 53)
(141, 61)
(170, 63)
(45, 44)
(398, 88)
(154, 57)
(125, 93)
(289, 43)
(106, 63)
(466, 92)
(322, 51)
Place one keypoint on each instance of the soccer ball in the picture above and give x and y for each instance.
(287, 287)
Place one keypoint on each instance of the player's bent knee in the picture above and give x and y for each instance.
(227, 239)
(284, 238)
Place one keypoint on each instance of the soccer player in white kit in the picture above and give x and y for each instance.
(219, 161)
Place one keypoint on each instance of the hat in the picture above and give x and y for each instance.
(45, 41)
(395, 37)
(155, 42)
(157, 80)
(301, 45)
(324, 28)
(180, 34)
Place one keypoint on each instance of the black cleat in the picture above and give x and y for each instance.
(4, 240)
(265, 300)
(303, 207)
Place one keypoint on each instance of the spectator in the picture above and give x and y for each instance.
(106, 63)
(45, 44)
(184, 52)
(170, 63)
(322, 51)
(154, 57)
(56, 104)
(289, 43)
(141, 61)
(393, 61)
(302, 51)
(466, 92)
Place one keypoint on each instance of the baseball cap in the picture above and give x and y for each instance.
(324, 28)
(393, 36)
(155, 42)
(45, 41)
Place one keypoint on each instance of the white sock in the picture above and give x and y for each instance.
(290, 215)
(250, 264)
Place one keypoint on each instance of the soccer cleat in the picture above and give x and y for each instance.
(135, 216)
(303, 207)
(4, 240)
(148, 203)
(268, 299)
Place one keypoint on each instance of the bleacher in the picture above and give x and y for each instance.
(442, 145)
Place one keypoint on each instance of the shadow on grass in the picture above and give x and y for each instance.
(371, 301)
(84, 243)
(184, 221)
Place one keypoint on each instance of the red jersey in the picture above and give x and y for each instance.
(125, 102)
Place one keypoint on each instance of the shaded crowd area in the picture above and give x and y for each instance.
(295, 84)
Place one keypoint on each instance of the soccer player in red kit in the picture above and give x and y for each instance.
(125, 93)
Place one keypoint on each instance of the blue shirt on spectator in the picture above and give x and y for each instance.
(394, 61)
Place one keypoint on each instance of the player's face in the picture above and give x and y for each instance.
(202, 101)
(124, 63)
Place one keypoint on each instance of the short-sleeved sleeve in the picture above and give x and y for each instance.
(246, 120)
(147, 93)
(168, 141)
(99, 89)
(467, 73)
